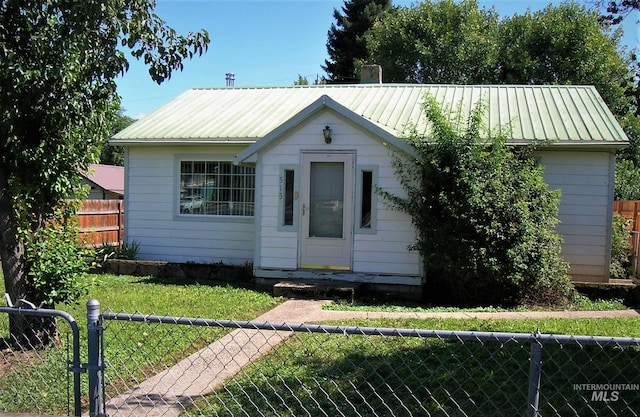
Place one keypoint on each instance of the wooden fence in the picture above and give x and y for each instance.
(102, 222)
(629, 210)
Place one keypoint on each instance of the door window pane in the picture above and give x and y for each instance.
(326, 203)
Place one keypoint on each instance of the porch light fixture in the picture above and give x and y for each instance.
(326, 132)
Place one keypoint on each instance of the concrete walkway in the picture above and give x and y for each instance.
(171, 391)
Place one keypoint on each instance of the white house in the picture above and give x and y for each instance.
(247, 175)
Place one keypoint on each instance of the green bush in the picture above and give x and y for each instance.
(58, 259)
(627, 180)
(485, 219)
(621, 253)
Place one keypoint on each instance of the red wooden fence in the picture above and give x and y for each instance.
(102, 222)
(629, 210)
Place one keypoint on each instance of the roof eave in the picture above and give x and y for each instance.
(183, 141)
(574, 145)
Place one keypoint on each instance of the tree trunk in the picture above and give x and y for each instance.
(26, 332)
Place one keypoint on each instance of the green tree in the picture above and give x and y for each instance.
(301, 80)
(113, 154)
(618, 10)
(457, 42)
(565, 44)
(621, 266)
(58, 63)
(627, 179)
(627, 184)
(436, 42)
(485, 219)
(345, 43)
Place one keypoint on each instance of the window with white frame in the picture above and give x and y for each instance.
(217, 188)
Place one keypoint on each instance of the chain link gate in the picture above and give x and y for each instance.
(31, 387)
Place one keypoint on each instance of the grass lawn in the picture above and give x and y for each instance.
(355, 375)
(582, 303)
(173, 296)
(39, 379)
(314, 374)
(328, 375)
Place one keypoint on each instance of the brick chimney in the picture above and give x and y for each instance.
(371, 74)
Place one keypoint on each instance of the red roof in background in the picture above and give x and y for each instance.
(109, 177)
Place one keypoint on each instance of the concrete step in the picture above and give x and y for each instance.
(629, 282)
(316, 289)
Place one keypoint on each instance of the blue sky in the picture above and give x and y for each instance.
(264, 42)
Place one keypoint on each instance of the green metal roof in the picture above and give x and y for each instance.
(565, 114)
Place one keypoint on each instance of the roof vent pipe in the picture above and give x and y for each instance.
(230, 78)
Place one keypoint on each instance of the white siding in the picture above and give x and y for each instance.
(152, 219)
(584, 179)
(384, 252)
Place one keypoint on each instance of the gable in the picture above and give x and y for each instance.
(567, 115)
(322, 103)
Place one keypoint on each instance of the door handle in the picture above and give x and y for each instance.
(303, 208)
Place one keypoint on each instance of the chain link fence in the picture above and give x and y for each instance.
(194, 367)
(141, 365)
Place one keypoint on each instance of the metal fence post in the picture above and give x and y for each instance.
(535, 371)
(94, 366)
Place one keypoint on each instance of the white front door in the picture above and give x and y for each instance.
(326, 230)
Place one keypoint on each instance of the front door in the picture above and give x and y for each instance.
(327, 211)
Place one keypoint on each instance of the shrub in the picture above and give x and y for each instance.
(58, 259)
(123, 251)
(621, 254)
(484, 217)
(627, 180)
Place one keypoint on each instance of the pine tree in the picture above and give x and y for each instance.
(345, 43)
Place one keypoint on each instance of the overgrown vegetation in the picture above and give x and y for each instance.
(58, 260)
(621, 265)
(627, 180)
(484, 217)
